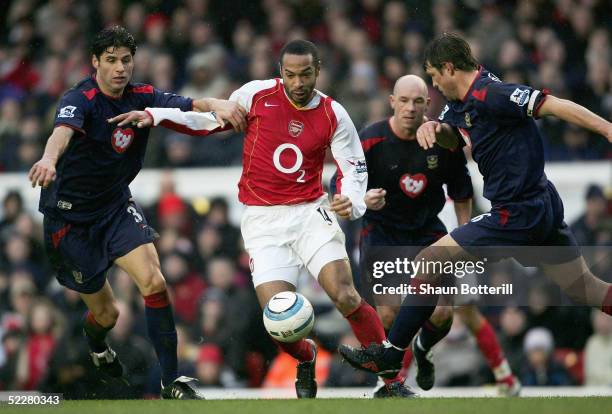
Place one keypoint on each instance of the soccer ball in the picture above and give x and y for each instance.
(288, 317)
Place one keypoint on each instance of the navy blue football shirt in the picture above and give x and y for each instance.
(413, 177)
(496, 120)
(94, 173)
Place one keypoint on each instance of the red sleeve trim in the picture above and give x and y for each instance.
(536, 112)
(82, 131)
(184, 130)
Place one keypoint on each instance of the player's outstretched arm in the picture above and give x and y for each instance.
(190, 123)
(226, 111)
(576, 114)
(43, 172)
(434, 132)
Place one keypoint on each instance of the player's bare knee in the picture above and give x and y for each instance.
(107, 316)
(346, 299)
(154, 282)
(442, 316)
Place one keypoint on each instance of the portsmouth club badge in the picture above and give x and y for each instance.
(432, 162)
(468, 120)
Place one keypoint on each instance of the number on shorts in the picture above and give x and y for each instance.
(480, 217)
(137, 216)
(325, 216)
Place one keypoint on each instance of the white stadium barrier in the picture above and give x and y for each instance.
(571, 180)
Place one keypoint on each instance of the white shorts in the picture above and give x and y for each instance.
(285, 241)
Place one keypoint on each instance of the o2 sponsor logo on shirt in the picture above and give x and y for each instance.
(67, 112)
(520, 96)
(121, 139)
(413, 185)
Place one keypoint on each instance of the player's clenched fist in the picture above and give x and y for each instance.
(342, 206)
(426, 134)
(375, 198)
(231, 112)
(42, 173)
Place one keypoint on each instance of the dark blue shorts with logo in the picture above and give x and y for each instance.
(81, 254)
(509, 227)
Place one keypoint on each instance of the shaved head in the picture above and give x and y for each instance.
(412, 83)
(409, 101)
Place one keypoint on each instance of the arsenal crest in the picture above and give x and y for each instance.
(413, 185)
(121, 139)
(295, 128)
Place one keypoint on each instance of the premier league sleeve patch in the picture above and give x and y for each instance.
(67, 112)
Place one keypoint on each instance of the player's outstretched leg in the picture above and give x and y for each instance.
(142, 264)
(387, 314)
(507, 383)
(582, 286)
(416, 308)
(432, 332)
(336, 279)
(99, 319)
(304, 350)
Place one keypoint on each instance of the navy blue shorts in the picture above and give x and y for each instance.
(379, 234)
(82, 253)
(534, 222)
(376, 237)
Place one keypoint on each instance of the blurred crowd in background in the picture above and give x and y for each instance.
(209, 48)
(204, 48)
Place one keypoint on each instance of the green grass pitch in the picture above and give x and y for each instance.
(552, 405)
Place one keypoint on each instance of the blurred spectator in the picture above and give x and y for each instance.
(598, 351)
(44, 327)
(513, 325)
(540, 369)
(12, 206)
(209, 365)
(457, 359)
(589, 229)
(185, 286)
(206, 74)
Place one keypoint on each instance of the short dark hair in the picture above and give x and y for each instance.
(452, 48)
(300, 47)
(115, 36)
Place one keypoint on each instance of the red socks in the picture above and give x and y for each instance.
(300, 350)
(157, 300)
(366, 324)
(487, 342)
(606, 306)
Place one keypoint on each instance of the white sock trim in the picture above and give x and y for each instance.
(388, 344)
